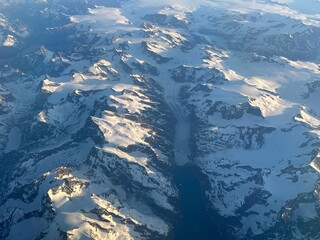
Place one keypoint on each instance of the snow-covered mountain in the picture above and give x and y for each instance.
(102, 102)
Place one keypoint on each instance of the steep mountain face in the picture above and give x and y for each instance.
(100, 101)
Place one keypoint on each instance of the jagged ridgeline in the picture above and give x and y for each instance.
(173, 120)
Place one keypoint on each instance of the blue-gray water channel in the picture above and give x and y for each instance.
(194, 222)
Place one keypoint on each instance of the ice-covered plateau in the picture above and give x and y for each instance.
(91, 92)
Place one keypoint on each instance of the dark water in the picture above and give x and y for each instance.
(194, 223)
